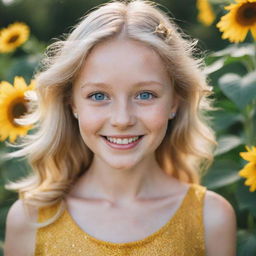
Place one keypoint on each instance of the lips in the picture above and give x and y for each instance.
(122, 136)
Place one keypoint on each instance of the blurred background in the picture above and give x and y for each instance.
(231, 70)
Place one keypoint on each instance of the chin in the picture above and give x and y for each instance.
(122, 165)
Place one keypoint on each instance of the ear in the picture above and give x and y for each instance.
(71, 102)
(73, 107)
(73, 110)
(175, 105)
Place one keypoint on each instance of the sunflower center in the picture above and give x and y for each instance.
(13, 39)
(246, 14)
(17, 109)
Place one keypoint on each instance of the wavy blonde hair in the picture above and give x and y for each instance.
(57, 160)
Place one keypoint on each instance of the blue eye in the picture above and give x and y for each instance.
(144, 95)
(98, 96)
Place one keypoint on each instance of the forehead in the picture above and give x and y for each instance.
(123, 61)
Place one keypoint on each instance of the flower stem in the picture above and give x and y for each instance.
(254, 59)
(251, 63)
(250, 222)
(249, 111)
(248, 124)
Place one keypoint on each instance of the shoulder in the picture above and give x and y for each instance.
(220, 225)
(18, 227)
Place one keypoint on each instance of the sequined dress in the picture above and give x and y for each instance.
(182, 235)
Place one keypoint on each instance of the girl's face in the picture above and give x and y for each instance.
(123, 90)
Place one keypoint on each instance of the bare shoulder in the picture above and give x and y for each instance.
(220, 225)
(19, 234)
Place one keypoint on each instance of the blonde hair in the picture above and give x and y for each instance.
(57, 160)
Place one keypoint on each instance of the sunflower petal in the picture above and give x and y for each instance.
(6, 88)
(253, 31)
(205, 12)
(19, 83)
(249, 170)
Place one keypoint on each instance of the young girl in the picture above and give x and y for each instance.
(121, 143)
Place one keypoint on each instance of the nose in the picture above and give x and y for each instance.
(122, 114)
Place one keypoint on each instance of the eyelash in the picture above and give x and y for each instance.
(98, 92)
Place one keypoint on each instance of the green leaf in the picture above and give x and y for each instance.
(245, 198)
(245, 59)
(243, 54)
(246, 243)
(33, 46)
(226, 143)
(215, 66)
(24, 66)
(219, 2)
(3, 150)
(241, 90)
(235, 51)
(223, 120)
(221, 173)
(5, 63)
(227, 105)
(1, 244)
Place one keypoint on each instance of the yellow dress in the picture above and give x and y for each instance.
(182, 235)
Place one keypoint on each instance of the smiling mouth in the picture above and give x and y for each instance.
(117, 141)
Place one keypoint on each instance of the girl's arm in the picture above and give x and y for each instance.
(220, 226)
(19, 235)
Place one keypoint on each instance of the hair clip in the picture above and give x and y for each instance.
(163, 31)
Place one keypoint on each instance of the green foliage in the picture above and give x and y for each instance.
(241, 90)
(235, 123)
(246, 243)
(222, 173)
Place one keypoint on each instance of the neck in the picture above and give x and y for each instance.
(122, 185)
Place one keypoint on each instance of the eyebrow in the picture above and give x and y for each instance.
(142, 83)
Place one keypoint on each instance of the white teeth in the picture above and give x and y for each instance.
(122, 141)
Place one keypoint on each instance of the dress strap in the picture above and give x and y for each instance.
(193, 220)
(46, 213)
(199, 193)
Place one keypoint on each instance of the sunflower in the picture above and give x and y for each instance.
(13, 36)
(238, 21)
(13, 104)
(249, 170)
(205, 12)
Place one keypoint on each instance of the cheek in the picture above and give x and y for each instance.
(90, 121)
(156, 121)
(156, 117)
